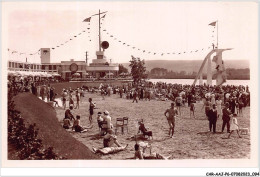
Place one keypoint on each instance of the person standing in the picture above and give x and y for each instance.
(135, 96)
(42, 92)
(172, 112)
(226, 117)
(178, 101)
(213, 115)
(219, 109)
(192, 110)
(108, 119)
(91, 109)
(63, 98)
(77, 99)
(234, 126)
(48, 93)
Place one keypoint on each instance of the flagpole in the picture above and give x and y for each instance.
(99, 30)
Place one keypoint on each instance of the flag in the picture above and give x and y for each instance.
(213, 23)
(103, 16)
(87, 19)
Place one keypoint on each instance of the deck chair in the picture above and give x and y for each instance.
(119, 124)
(125, 123)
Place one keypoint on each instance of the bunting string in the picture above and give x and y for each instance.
(115, 38)
(133, 47)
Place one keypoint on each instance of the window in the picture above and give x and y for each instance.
(10, 64)
(54, 67)
(43, 67)
(50, 67)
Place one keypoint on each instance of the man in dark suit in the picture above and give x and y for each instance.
(213, 115)
(226, 117)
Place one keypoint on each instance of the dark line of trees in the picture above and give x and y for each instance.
(162, 73)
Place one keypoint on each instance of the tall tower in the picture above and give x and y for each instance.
(45, 55)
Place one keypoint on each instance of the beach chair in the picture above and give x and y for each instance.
(125, 123)
(119, 124)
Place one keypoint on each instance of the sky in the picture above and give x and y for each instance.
(157, 27)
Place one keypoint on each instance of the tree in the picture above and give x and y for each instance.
(138, 70)
(122, 69)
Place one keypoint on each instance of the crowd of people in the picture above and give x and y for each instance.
(226, 102)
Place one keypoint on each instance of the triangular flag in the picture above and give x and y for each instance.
(103, 16)
(87, 19)
(213, 23)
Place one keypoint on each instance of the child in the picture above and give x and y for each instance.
(66, 123)
(99, 120)
(234, 125)
(192, 110)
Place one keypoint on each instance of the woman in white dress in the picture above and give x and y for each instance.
(219, 107)
(234, 125)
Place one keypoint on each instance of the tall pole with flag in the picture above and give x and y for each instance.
(215, 23)
(99, 26)
(99, 30)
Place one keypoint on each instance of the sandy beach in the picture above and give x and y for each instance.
(192, 139)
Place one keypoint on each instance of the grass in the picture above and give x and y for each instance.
(34, 110)
(191, 139)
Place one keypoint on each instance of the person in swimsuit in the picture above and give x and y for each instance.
(172, 112)
(91, 109)
(192, 110)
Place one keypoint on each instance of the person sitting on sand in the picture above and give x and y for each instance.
(68, 113)
(145, 132)
(234, 125)
(109, 140)
(77, 126)
(66, 123)
(140, 155)
(172, 112)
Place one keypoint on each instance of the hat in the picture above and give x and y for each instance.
(227, 104)
(99, 113)
(106, 112)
